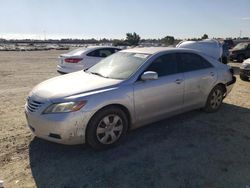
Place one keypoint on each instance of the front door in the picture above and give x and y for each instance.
(156, 99)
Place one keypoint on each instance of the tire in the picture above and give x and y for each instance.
(214, 99)
(102, 132)
(243, 77)
(240, 58)
(224, 60)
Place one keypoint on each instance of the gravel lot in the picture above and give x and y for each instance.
(191, 150)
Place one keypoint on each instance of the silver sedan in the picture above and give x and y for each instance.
(125, 91)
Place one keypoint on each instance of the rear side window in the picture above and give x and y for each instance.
(102, 52)
(192, 62)
(164, 65)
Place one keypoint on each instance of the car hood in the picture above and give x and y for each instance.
(236, 50)
(71, 84)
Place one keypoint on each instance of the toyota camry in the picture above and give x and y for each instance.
(124, 91)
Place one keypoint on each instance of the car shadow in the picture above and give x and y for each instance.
(194, 149)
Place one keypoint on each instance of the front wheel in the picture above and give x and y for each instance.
(107, 128)
(214, 99)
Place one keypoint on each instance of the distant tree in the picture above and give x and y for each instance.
(195, 39)
(168, 40)
(132, 39)
(104, 40)
(117, 42)
(205, 36)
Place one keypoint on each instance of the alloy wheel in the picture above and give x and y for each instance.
(216, 99)
(109, 129)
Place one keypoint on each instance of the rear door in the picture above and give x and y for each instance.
(154, 99)
(199, 76)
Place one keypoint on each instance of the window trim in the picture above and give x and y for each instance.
(156, 57)
(112, 50)
(195, 54)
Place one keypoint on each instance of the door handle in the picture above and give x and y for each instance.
(178, 81)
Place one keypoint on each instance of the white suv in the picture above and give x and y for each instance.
(83, 58)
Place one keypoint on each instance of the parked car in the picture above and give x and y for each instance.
(229, 43)
(125, 91)
(245, 70)
(240, 52)
(211, 47)
(83, 58)
(225, 53)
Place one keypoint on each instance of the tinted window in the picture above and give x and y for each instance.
(192, 62)
(164, 65)
(102, 52)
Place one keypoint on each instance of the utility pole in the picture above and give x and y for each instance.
(240, 33)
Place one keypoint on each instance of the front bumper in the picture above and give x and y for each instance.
(64, 70)
(63, 128)
(229, 85)
(231, 82)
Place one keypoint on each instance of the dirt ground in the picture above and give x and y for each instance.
(191, 150)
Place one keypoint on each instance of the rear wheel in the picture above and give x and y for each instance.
(107, 128)
(243, 77)
(224, 60)
(214, 99)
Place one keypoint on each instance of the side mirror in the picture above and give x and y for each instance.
(149, 75)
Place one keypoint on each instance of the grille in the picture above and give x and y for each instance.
(33, 105)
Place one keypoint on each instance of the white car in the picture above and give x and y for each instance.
(83, 58)
(245, 70)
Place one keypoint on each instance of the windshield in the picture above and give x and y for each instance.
(240, 46)
(120, 65)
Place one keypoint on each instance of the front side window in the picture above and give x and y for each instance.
(192, 62)
(164, 65)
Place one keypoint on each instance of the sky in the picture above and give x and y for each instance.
(55, 19)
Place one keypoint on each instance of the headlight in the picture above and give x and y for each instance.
(64, 107)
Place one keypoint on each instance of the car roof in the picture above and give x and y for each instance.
(154, 50)
(84, 50)
(100, 47)
(147, 50)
